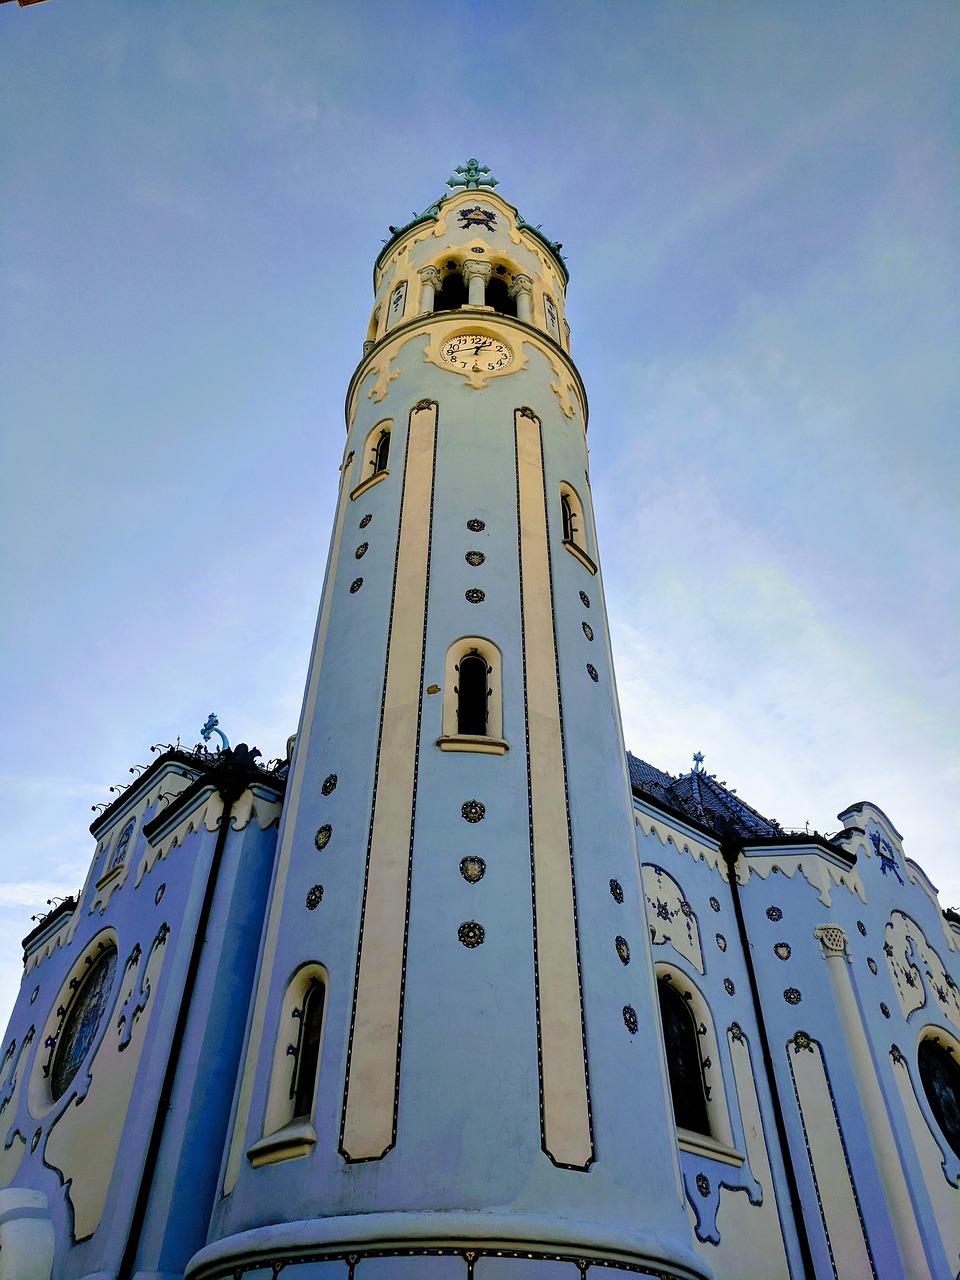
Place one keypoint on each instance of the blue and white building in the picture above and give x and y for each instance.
(461, 989)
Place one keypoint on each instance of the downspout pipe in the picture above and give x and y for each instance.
(231, 776)
(732, 849)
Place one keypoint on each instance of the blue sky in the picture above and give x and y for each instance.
(759, 207)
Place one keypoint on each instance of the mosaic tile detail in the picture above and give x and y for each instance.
(587, 630)
(592, 672)
(736, 1032)
(801, 1041)
(314, 897)
(361, 551)
(863, 928)
(472, 869)
(475, 558)
(728, 986)
(774, 914)
(322, 838)
(703, 1184)
(158, 896)
(715, 904)
(476, 526)
(474, 595)
(884, 1010)
(721, 942)
(36, 992)
(623, 949)
(616, 890)
(366, 520)
(329, 784)
(473, 810)
(584, 599)
(355, 586)
(630, 1019)
(471, 934)
(871, 964)
(782, 950)
(792, 995)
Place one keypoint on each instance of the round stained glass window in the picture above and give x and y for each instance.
(82, 1022)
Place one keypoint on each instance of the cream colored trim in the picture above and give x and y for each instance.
(566, 1116)
(833, 945)
(472, 742)
(579, 554)
(370, 481)
(699, 1144)
(369, 1103)
(298, 1138)
(113, 874)
(272, 936)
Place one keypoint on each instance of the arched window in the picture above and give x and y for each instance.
(381, 452)
(303, 1086)
(123, 844)
(498, 296)
(374, 457)
(683, 1060)
(940, 1076)
(573, 525)
(472, 698)
(452, 294)
(569, 518)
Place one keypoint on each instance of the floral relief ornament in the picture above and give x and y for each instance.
(471, 934)
(473, 810)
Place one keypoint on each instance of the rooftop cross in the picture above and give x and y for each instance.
(210, 728)
(697, 760)
(472, 175)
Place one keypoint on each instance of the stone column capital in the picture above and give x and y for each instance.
(832, 939)
(521, 284)
(477, 270)
(431, 276)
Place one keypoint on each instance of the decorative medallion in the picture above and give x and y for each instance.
(862, 927)
(361, 551)
(329, 784)
(322, 838)
(366, 520)
(159, 894)
(477, 217)
(473, 810)
(471, 934)
(355, 586)
(616, 890)
(686, 909)
(774, 914)
(35, 1141)
(474, 558)
(314, 897)
(801, 1041)
(587, 630)
(782, 950)
(715, 904)
(474, 595)
(871, 964)
(884, 1010)
(630, 1019)
(623, 949)
(721, 942)
(472, 869)
(728, 986)
(475, 526)
(585, 599)
(736, 1032)
(592, 672)
(792, 995)
(703, 1184)
(897, 1056)
(36, 992)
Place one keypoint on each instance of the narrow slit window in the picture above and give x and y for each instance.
(381, 452)
(304, 1084)
(472, 694)
(683, 1060)
(569, 519)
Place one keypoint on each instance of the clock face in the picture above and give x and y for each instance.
(476, 353)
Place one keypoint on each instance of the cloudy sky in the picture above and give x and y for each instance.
(759, 207)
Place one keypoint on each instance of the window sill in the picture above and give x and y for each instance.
(298, 1138)
(698, 1144)
(112, 874)
(370, 481)
(579, 554)
(473, 742)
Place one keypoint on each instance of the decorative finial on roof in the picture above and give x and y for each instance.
(697, 761)
(472, 175)
(210, 728)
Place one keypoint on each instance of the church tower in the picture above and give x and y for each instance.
(452, 1063)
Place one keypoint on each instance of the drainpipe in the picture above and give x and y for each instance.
(230, 776)
(731, 849)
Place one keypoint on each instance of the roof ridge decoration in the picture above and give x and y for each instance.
(472, 176)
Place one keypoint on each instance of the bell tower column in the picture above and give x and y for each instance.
(453, 1062)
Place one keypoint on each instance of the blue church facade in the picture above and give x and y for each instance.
(461, 988)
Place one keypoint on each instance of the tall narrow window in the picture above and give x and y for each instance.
(381, 452)
(569, 519)
(940, 1076)
(304, 1085)
(452, 294)
(498, 296)
(683, 1060)
(472, 694)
